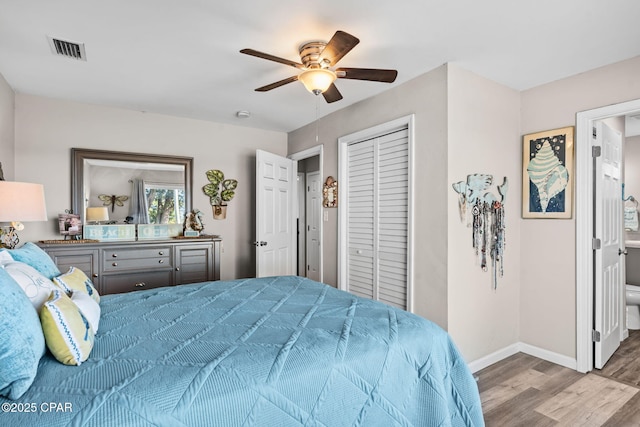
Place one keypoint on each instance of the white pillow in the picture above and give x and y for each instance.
(37, 287)
(88, 307)
(5, 257)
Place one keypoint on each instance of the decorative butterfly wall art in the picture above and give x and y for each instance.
(113, 200)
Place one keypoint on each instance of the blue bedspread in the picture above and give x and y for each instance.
(276, 351)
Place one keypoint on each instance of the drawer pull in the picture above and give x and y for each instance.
(160, 253)
(114, 255)
(140, 285)
(161, 261)
(115, 264)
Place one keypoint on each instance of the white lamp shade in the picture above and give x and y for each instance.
(97, 214)
(22, 201)
(317, 80)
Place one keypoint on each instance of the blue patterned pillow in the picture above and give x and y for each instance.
(31, 254)
(22, 342)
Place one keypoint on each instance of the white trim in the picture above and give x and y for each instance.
(550, 356)
(584, 226)
(317, 150)
(520, 347)
(343, 142)
(410, 207)
(495, 357)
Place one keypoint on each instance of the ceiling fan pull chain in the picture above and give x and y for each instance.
(317, 130)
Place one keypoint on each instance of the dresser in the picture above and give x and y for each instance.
(129, 266)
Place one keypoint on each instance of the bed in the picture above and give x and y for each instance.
(278, 351)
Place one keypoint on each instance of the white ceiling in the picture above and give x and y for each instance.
(181, 57)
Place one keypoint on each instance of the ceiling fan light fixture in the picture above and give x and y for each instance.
(317, 80)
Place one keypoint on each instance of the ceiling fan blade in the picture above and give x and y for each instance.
(332, 94)
(339, 45)
(277, 84)
(271, 58)
(371, 74)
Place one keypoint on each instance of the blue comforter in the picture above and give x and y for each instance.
(276, 351)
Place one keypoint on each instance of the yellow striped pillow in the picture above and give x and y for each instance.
(68, 334)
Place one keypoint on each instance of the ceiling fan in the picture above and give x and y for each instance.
(318, 59)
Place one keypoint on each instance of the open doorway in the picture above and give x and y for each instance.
(309, 213)
(309, 210)
(587, 265)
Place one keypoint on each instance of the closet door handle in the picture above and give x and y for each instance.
(622, 252)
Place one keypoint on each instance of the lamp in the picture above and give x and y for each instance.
(20, 201)
(317, 80)
(97, 214)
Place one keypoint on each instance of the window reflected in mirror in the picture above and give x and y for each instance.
(165, 203)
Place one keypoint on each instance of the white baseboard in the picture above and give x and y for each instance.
(494, 357)
(512, 349)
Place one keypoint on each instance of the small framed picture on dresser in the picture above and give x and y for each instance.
(70, 225)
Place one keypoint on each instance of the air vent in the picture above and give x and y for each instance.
(67, 49)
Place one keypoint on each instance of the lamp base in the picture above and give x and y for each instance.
(10, 238)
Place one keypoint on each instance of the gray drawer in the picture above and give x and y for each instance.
(122, 259)
(118, 283)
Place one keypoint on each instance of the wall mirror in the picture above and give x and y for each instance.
(147, 188)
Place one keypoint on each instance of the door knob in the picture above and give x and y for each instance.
(622, 252)
(260, 243)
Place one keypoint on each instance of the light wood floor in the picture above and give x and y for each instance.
(526, 391)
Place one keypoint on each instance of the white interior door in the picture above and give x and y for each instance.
(302, 224)
(609, 292)
(275, 220)
(314, 207)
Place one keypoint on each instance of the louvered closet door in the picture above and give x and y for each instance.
(361, 219)
(378, 218)
(393, 215)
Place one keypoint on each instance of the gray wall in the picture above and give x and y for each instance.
(548, 249)
(7, 126)
(537, 299)
(426, 97)
(46, 130)
(464, 124)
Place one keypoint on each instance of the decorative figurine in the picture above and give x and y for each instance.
(330, 193)
(193, 224)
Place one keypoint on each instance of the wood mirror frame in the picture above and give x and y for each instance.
(79, 155)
